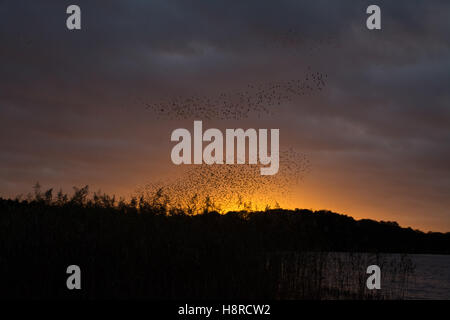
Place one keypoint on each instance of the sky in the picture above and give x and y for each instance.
(74, 105)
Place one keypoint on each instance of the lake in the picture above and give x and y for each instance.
(431, 277)
(343, 275)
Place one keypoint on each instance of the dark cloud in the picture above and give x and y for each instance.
(73, 104)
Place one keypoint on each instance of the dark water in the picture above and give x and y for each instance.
(431, 277)
(343, 275)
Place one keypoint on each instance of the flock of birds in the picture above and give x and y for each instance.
(226, 186)
(256, 99)
(230, 187)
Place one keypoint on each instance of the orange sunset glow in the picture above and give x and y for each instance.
(372, 125)
(215, 159)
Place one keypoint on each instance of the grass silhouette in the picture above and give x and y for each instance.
(144, 248)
